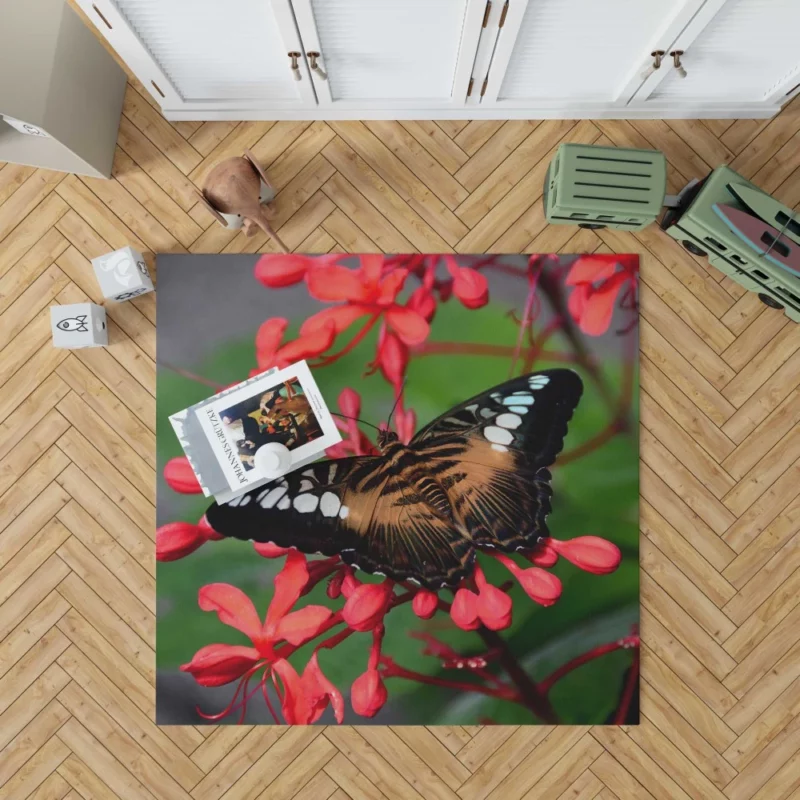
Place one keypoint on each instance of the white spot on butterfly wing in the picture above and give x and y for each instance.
(521, 399)
(284, 503)
(498, 435)
(329, 504)
(518, 409)
(487, 412)
(343, 512)
(305, 486)
(510, 421)
(234, 502)
(305, 503)
(271, 497)
(472, 408)
(501, 448)
(538, 381)
(309, 473)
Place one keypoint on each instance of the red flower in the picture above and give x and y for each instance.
(368, 693)
(180, 477)
(366, 292)
(270, 353)
(469, 286)
(286, 269)
(464, 610)
(539, 585)
(597, 285)
(490, 606)
(367, 605)
(423, 302)
(178, 539)
(303, 699)
(234, 608)
(425, 603)
(589, 553)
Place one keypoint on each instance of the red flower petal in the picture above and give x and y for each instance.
(295, 704)
(321, 691)
(494, 605)
(392, 357)
(180, 477)
(233, 607)
(275, 271)
(350, 402)
(391, 286)
(300, 626)
(599, 307)
(544, 555)
(589, 269)
(335, 284)
(207, 530)
(423, 302)
(464, 610)
(539, 585)
(269, 550)
(289, 585)
(590, 553)
(218, 664)
(577, 300)
(268, 340)
(367, 605)
(368, 693)
(425, 604)
(178, 539)
(341, 316)
(314, 344)
(410, 327)
(471, 288)
(371, 268)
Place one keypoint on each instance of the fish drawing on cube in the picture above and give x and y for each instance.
(122, 275)
(78, 325)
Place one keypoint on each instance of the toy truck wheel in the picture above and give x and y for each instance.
(592, 226)
(693, 248)
(770, 301)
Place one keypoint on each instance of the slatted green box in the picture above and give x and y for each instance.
(702, 232)
(599, 187)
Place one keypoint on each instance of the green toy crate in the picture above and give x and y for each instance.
(698, 228)
(605, 187)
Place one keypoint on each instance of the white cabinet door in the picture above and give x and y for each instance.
(734, 51)
(206, 54)
(390, 53)
(554, 54)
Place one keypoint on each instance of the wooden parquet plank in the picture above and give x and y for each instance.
(720, 471)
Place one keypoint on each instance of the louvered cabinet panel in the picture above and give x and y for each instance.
(749, 51)
(390, 52)
(206, 52)
(562, 52)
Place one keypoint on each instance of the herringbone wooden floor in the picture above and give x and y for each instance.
(720, 471)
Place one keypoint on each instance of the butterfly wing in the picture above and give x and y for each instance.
(360, 508)
(491, 454)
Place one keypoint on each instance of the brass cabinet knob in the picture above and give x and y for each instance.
(312, 59)
(294, 66)
(657, 55)
(676, 60)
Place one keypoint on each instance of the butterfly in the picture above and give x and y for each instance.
(476, 477)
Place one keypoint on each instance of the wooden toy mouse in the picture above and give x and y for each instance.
(235, 191)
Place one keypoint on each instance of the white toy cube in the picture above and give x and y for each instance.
(78, 325)
(122, 274)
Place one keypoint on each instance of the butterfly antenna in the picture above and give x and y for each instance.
(357, 419)
(397, 400)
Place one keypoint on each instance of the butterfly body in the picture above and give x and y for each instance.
(476, 477)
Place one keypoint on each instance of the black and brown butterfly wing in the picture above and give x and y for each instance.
(357, 507)
(491, 454)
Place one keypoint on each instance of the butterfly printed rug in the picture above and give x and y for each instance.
(467, 553)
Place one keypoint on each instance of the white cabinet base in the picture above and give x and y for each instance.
(650, 111)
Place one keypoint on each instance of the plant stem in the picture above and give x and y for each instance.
(531, 695)
(627, 692)
(191, 376)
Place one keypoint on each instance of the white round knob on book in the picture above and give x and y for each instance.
(273, 459)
